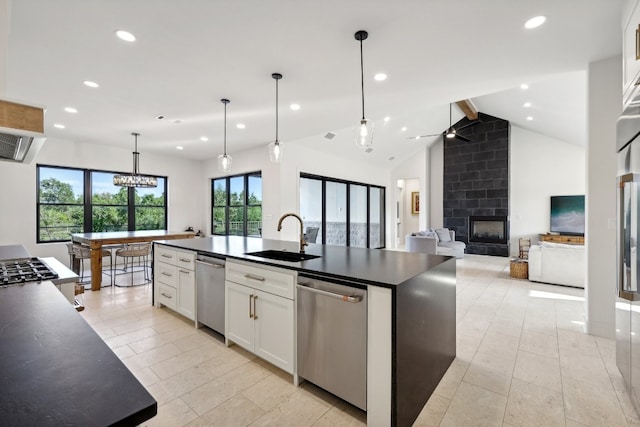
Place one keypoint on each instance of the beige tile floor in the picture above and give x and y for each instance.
(522, 360)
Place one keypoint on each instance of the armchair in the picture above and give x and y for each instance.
(439, 242)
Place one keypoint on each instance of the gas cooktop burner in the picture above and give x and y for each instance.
(25, 270)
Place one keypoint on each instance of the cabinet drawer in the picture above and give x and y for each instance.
(167, 274)
(186, 260)
(167, 295)
(266, 279)
(165, 254)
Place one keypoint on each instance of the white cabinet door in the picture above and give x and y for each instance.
(238, 315)
(186, 293)
(274, 329)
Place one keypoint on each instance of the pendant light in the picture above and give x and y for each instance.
(224, 160)
(364, 132)
(275, 148)
(135, 179)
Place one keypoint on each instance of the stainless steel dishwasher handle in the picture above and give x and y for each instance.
(210, 264)
(346, 298)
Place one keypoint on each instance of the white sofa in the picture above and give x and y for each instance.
(428, 242)
(557, 263)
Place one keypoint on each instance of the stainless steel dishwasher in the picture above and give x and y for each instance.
(210, 292)
(332, 338)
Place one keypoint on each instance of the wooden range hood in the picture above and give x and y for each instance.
(21, 131)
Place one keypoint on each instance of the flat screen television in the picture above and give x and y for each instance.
(567, 215)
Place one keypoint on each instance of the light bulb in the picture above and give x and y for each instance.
(363, 129)
(275, 151)
(224, 163)
(451, 134)
(364, 133)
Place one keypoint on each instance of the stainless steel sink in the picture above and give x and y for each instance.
(282, 255)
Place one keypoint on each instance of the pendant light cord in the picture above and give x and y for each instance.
(225, 128)
(276, 110)
(362, 77)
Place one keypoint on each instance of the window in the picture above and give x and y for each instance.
(81, 200)
(236, 205)
(345, 213)
(60, 203)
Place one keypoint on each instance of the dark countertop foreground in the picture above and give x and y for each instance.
(370, 266)
(56, 371)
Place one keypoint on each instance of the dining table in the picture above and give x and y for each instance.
(95, 241)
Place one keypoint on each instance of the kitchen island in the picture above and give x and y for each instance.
(411, 338)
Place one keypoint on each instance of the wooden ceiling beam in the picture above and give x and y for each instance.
(468, 109)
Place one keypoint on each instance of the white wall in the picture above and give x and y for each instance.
(540, 167)
(410, 221)
(414, 171)
(281, 182)
(436, 184)
(18, 224)
(604, 107)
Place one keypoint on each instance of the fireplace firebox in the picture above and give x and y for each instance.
(488, 229)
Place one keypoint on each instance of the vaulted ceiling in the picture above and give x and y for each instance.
(188, 55)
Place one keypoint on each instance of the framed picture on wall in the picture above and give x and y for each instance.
(415, 203)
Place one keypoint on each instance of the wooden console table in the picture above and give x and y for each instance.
(96, 240)
(562, 238)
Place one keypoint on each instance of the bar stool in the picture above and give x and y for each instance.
(140, 251)
(81, 253)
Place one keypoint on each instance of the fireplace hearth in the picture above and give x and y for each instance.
(488, 229)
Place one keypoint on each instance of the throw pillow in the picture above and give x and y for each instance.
(443, 235)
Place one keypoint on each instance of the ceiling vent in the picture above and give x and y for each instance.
(21, 131)
(330, 135)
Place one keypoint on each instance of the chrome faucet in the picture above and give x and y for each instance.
(303, 242)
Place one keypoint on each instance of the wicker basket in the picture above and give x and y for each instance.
(519, 269)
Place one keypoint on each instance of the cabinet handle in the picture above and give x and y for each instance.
(184, 271)
(255, 314)
(250, 314)
(252, 277)
(166, 295)
(166, 274)
(638, 43)
(166, 256)
(185, 260)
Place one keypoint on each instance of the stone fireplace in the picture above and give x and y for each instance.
(476, 186)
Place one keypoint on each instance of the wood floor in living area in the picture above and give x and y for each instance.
(522, 360)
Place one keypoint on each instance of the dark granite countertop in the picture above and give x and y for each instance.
(368, 266)
(56, 371)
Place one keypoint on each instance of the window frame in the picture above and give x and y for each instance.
(245, 203)
(383, 216)
(88, 200)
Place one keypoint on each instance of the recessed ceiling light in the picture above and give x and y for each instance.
(380, 77)
(204, 139)
(524, 86)
(179, 147)
(404, 128)
(527, 105)
(529, 118)
(294, 107)
(59, 126)
(386, 119)
(535, 22)
(159, 117)
(417, 137)
(126, 35)
(240, 126)
(70, 110)
(90, 83)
